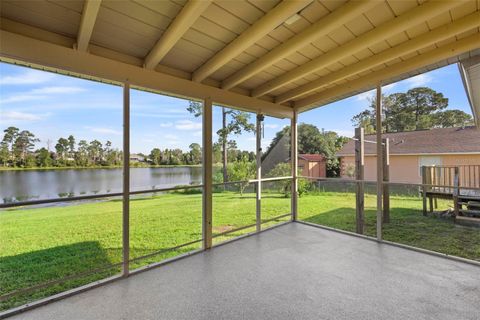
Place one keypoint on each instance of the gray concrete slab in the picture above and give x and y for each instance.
(291, 272)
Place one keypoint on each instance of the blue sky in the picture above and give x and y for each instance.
(53, 106)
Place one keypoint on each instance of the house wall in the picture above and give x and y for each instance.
(405, 168)
(402, 168)
(316, 169)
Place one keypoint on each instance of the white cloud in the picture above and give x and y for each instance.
(27, 77)
(54, 90)
(419, 81)
(154, 115)
(166, 125)
(368, 95)
(40, 94)
(365, 96)
(345, 133)
(171, 137)
(187, 125)
(21, 97)
(20, 116)
(171, 140)
(271, 126)
(389, 87)
(105, 130)
(197, 134)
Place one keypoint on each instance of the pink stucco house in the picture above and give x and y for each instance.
(409, 151)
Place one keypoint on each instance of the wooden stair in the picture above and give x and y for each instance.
(469, 207)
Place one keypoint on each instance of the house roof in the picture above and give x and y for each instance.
(271, 57)
(311, 157)
(433, 141)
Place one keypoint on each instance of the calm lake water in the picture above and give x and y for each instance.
(46, 184)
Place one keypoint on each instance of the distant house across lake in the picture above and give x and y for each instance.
(409, 151)
(137, 158)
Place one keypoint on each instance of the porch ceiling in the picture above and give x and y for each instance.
(267, 56)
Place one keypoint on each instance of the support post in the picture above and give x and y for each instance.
(126, 181)
(294, 161)
(378, 108)
(258, 132)
(456, 192)
(386, 178)
(359, 175)
(424, 189)
(207, 174)
(224, 147)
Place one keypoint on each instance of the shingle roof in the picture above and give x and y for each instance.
(311, 157)
(433, 141)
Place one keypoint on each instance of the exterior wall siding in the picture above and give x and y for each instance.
(404, 168)
(317, 169)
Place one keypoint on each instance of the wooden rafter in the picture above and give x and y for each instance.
(89, 16)
(436, 35)
(403, 22)
(255, 32)
(182, 22)
(321, 28)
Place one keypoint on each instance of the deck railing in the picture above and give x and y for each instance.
(442, 178)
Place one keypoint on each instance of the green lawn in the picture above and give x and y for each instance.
(43, 244)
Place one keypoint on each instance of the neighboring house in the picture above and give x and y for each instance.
(137, 158)
(409, 151)
(312, 165)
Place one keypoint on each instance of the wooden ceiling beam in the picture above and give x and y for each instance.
(382, 76)
(89, 16)
(317, 30)
(436, 35)
(401, 23)
(182, 22)
(255, 32)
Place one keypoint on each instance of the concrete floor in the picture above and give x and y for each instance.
(291, 272)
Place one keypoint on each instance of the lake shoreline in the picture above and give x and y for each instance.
(99, 167)
(29, 184)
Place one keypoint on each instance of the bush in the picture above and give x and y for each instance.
(283, 169)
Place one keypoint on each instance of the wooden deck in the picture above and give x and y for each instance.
(461, 184)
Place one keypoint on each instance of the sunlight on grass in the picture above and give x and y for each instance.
(407, 223)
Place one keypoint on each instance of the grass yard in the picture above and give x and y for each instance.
(407, 224)
(44, 244)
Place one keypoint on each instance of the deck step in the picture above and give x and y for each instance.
(470, 213)
(470, 204)
(467, 221)
(469, 198)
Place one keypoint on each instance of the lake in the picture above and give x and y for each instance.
(18, 185)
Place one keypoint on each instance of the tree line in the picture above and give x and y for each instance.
(417, 109)
(17, 150)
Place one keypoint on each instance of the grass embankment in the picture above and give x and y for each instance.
(43, 244)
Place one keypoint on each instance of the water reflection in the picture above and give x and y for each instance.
(47, 184)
